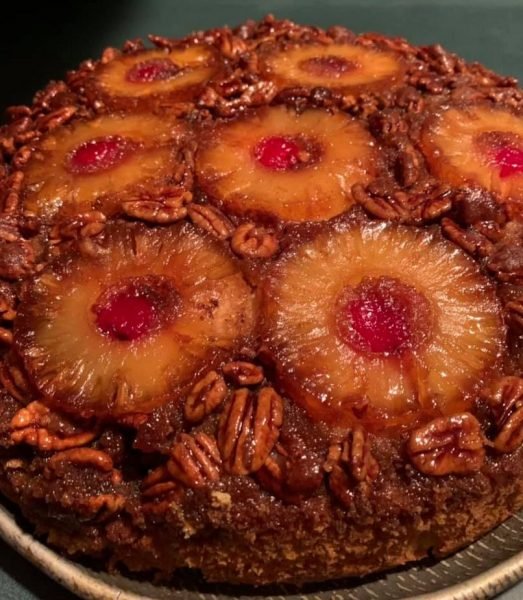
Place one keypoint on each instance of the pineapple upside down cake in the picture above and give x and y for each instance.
(261, 302)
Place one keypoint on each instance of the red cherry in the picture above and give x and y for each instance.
(126, 316)
(327, 66)
(278, 153)
(383, 316)
(509, 159)
(99, 154)
(155, 69)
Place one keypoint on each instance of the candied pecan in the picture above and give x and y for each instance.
(248, 429)
(506, 261)
(56, 118)
(205, 396)
(195, 460)
(351, 464)
(243, 373)
(13, 380)
(414, 207)
(408, 164)
(82, 457)
(254, 242)
(17, 257)
(230, 45)
(88, 224)
(447, 445)
(12, 192)
(515, 313)
(7, 302)
(292, 471)
(475, 205)
(505, 399)
(158, 482)
(470, 240)
(211, 220)
(34, 425)
(163, 212)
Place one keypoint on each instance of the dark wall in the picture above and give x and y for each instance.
(40, 41)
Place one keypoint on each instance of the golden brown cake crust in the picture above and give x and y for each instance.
(235, 457)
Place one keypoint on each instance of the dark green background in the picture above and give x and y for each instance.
(40, 41)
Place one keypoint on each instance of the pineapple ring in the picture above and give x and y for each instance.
(230, 173)
(460, 146)
(52, 187)
(196, 65)
(337, 383)
(77, 367)
(340, 66)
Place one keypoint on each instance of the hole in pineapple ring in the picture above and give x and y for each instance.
(154, 69)
(136, 307)
(327, 66)
(286, 153)
(99, 154)
(383, 316)
(503, 151)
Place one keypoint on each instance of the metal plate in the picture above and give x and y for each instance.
(481, 571)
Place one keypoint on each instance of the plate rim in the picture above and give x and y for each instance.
(84, 582)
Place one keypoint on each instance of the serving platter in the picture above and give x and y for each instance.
(478, 572)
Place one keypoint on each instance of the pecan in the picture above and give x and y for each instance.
(515, 313)
(88, 224)
(211, 220)
(505, 399)
(162, 212)
(230, 45)
(12, 193)
(14, 381)
(470, 240)
(7, 302)
(82, 457)
(408, 164)
(195, 460)
(243, 373)
(248, 429)
(417, 206)
(56, 118)
(350, 465)
(292, 471)
(17, 257)
(158, 482)
(254, 242)
(448, 445)
(34, 425)
(205, 396)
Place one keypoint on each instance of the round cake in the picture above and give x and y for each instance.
(261, 302)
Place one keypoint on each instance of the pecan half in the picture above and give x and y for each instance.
(14, 381)
(292, 471)
(243, 373)
(82, 457)
(88, 224)
(37, 426)
(159, 492)
(7, 302)
(351, 464)
(248, 429)
(254, 242)
(448, 445)
(162, 212)
(205, 396)
(195, 460)
(413, 207)
(470, 240)
(515, 313)
(211, 220)
(505, 399)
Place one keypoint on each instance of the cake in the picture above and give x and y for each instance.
(261, 301)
